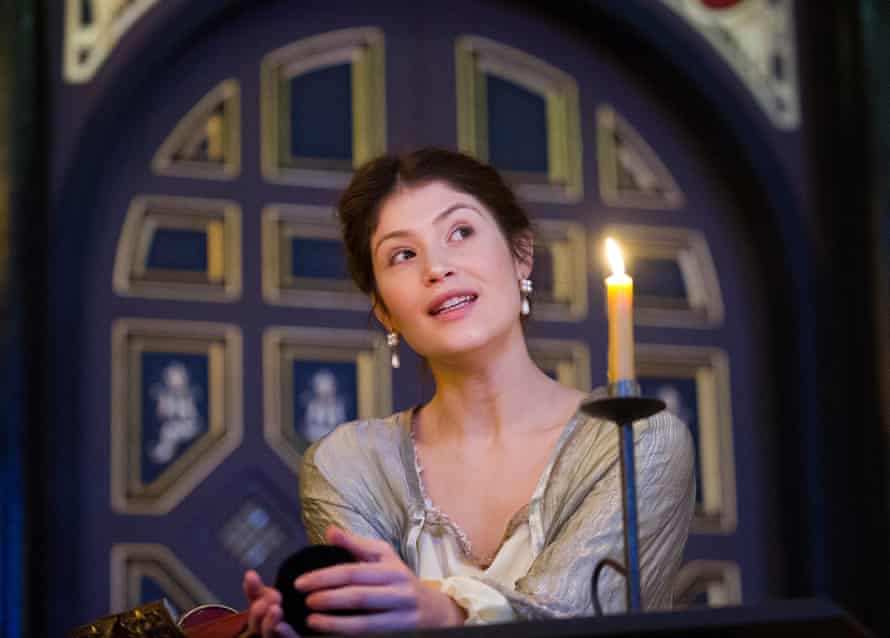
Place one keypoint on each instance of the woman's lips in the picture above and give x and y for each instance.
(455, 307)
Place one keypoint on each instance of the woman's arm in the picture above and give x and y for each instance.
(323, 506)
(379, 582)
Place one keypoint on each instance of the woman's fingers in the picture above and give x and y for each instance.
(260, 606)
(350, 574)
(364, 549)
(273, 625)
(383, 621)
(270, 619)
(252, 585)
(255, 615)
(361, 597)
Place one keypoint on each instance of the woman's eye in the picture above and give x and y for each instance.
(462, 232)
(401, 255)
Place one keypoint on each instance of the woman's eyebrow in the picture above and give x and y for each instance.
(445, 213)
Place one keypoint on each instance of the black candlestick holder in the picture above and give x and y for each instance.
(623, 406)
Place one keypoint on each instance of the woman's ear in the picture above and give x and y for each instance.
(525, 253)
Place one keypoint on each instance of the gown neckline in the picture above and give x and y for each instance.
(435, 515)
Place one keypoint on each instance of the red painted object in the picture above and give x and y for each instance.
(721, 4)
(214, 621)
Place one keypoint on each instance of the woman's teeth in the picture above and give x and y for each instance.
(454, 302)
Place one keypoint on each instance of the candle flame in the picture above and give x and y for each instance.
(613, 254)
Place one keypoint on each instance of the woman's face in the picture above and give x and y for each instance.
(444, 271)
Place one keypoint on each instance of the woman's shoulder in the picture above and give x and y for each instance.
(662, 431)
(360, 437)
(662, 443)
(366, 451)
(358, 470)
(589, 462)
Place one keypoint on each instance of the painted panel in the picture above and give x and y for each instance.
(176, 409)
(317, 378)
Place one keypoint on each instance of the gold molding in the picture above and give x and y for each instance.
(567, 244)
(608, 123)
(362, 48)
(476, 56)
(222, 345)
(720, 580)
(287, 221)
(709, 368)
(750, 37)
(88, 45)
(130, 562)
(283, 345)
(220, 219)
(689, 248)
(569, 359)
(193, 127)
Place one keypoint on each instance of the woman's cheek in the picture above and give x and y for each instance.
(396, 292)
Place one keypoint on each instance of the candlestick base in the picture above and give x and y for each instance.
(622, 410)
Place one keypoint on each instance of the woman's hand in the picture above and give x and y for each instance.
(264, 615)
(380, 583)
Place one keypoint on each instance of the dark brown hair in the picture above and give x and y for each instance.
(375, 181)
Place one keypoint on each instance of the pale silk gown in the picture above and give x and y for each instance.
(365, 477)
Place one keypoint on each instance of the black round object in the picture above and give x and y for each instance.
(623, 410)
(293, 601)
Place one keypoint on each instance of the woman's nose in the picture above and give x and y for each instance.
(438, 272)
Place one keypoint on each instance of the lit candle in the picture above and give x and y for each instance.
(620, 290)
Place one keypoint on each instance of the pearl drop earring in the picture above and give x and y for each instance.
(392, 340)
(525, 290)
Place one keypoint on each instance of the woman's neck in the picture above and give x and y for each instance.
(487, 397)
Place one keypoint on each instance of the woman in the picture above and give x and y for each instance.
(495, 500)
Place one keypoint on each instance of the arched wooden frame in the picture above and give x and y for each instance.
(650, 42)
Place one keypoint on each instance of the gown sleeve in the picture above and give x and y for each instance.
(482, 603)
(323, 505)
(558, 583)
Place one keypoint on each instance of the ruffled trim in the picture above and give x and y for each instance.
(435, 516)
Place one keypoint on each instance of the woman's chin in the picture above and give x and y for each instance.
(465, 346)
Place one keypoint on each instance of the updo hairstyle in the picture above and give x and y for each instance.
(360, 204)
